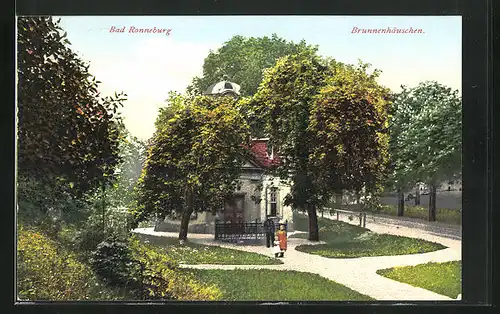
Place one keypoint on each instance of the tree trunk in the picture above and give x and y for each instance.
(338, 200)
(103, 212)
(432, 202)
(417, 196)
(186, 215)
(313, 223)
(358, 200)
(401, 202)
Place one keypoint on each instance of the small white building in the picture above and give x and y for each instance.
(260, 196)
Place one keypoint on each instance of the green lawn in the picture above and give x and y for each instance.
(272, 285)
(344, 240)
(442, 278)
(193, 253)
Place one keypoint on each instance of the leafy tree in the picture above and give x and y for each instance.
(68, 136)
(194, 161)
(243, 60)
(329, 122)
(175, 101)
(133, 155)
(283, 102)
(426, 132)
(349, 125)
(110, 214)
(401, 178)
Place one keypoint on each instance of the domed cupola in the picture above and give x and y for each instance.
(223, 88)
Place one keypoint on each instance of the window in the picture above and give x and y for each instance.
(228, 85)
(273, 202)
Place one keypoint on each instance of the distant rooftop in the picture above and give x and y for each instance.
(261, 154)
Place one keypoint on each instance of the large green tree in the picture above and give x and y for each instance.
(194, 160)
(68, 136)
(329, 123)
(283, 102)
(349, 126)
(427, 133)
(243, 60)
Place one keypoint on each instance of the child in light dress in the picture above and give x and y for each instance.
(277, 250)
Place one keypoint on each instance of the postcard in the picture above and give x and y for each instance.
(239, 158)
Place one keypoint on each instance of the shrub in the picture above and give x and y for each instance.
(162, 278)
(147, 272)
(87, 240)
(45, 271)
(113, 263)
(92, 232)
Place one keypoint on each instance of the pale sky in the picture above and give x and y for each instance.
(148, 66)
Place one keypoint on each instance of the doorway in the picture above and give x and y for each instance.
(234, 209)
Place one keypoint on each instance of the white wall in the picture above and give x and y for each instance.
(284, 212)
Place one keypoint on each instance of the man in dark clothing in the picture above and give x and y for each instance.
(270, 228)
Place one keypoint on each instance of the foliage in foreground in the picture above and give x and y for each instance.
(177, 282)
(273, 285)
(148, 272)
(46, 271)
(72, 142)
(442, 278)
(344, 240)
(67, 132)
(192, 253)
(123, 271)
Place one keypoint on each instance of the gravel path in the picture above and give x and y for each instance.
(358, 274)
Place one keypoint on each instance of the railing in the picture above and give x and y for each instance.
(233, 231)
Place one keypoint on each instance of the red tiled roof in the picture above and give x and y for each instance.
(258, 147)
